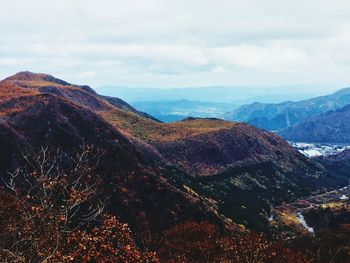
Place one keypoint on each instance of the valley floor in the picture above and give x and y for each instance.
(319, 149)
(319, 225)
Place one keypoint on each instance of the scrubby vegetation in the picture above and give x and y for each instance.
(50, 211)
(329, 217)
(202, 242)
(154, 132)
(197, 190)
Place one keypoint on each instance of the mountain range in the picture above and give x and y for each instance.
(174, 104)
(332, 126)
(216, 94)
(170, 111)
(272, 116)
(156, 175)
(303, 120)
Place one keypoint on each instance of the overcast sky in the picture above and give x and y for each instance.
(177, 43)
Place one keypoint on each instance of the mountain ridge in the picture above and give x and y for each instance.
(330, 127)
(278, 116)
(196, 169)
(48, 120)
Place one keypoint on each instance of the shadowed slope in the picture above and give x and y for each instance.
(332, 126)
(156, 172)
(135, 190)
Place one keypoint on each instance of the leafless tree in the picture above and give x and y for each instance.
(62, 190)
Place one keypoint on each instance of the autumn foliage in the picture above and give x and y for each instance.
(202, 242)
(191, 242)
(50, 212)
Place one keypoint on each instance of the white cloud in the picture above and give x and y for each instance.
(9, 61)
(218, 69)
(87, 74)
(179, 42)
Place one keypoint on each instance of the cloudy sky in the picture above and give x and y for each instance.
(177, 43)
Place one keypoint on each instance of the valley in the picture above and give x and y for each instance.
(158, 176)
(319, 149)
(174, 131)
(318, 222)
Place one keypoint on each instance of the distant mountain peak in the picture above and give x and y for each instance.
(29, 83)
(27, 79)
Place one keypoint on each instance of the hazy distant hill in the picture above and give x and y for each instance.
(278, 116)
(168, 111)
(173, 104)
(332, 126)
(218, 94)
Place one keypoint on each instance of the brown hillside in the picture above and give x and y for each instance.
(190, 169)
(135, 190)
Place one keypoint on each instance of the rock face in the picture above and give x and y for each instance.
(279, 116)
(156, 175)
(332, 126)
